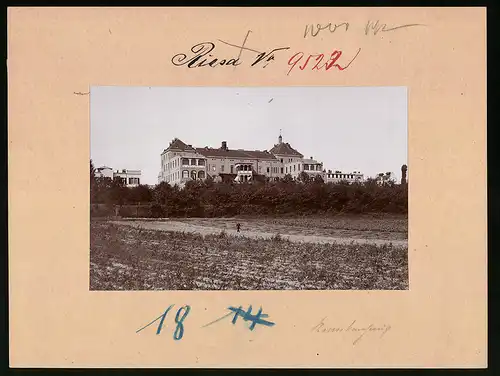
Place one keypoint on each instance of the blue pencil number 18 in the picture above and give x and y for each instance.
(179, 320)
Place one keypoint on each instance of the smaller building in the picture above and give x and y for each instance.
(310, 166)
(338, 176)
(104, 172)
(131, 178)
(384, 178)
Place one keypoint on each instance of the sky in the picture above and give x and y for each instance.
(347, 128)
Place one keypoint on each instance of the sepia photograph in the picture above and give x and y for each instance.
(248, 188)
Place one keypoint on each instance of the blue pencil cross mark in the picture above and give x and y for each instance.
(257, 319)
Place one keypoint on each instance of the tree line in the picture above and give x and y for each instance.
(206, 198)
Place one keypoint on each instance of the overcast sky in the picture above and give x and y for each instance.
(346, 128)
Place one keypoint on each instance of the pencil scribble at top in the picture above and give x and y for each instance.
(331, 27)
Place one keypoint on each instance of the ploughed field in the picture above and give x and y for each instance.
(129, 255)
(382, 227)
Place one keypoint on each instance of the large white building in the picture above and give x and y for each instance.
(131, 178)
(182, 162)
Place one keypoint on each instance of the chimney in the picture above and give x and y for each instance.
(404, 168)
(311, 157)
(224, 145)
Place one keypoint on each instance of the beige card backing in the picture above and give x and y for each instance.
(55, 320)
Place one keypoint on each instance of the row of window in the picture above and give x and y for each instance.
(130, 180)
(186, 175)
(193, 162)
(341, 176)
(185, 162)
(311, 167)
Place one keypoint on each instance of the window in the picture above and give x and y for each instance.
(281, 160)
(298, 167)
(294, 167)
(231, 167)
(286, 170)
(133, 180)
(260, 169)
(201, 174)
(185, 174)
(222, 168)
(281, 169)
(201, 162)
(213, 168)
(185, 162)
(193, 162)
(268, 170)
(193, 175)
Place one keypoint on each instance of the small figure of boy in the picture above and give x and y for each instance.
(238, 227)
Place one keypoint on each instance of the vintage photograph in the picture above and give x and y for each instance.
(248, 188)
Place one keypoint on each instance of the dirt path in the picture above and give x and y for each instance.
(208, 230)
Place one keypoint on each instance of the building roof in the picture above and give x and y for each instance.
(177, 144)
(103, 168)
(230, 153)
(284, 148)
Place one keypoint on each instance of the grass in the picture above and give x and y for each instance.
(127, 258)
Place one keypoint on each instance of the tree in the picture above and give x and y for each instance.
(288, 179)
(304, 177)
(118, 192)
(318, 179)
(141, 193)
(93, 190)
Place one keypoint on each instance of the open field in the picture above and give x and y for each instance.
(124, 257)
(341, 229)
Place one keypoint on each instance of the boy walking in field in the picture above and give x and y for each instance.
(238, 227)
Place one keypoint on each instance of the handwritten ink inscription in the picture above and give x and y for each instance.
(182, 313)
(358, 330)
(202, 55)
(205, 54)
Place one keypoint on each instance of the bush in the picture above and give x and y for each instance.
(209, 199)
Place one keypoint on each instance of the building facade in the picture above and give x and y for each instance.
(181, 162)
